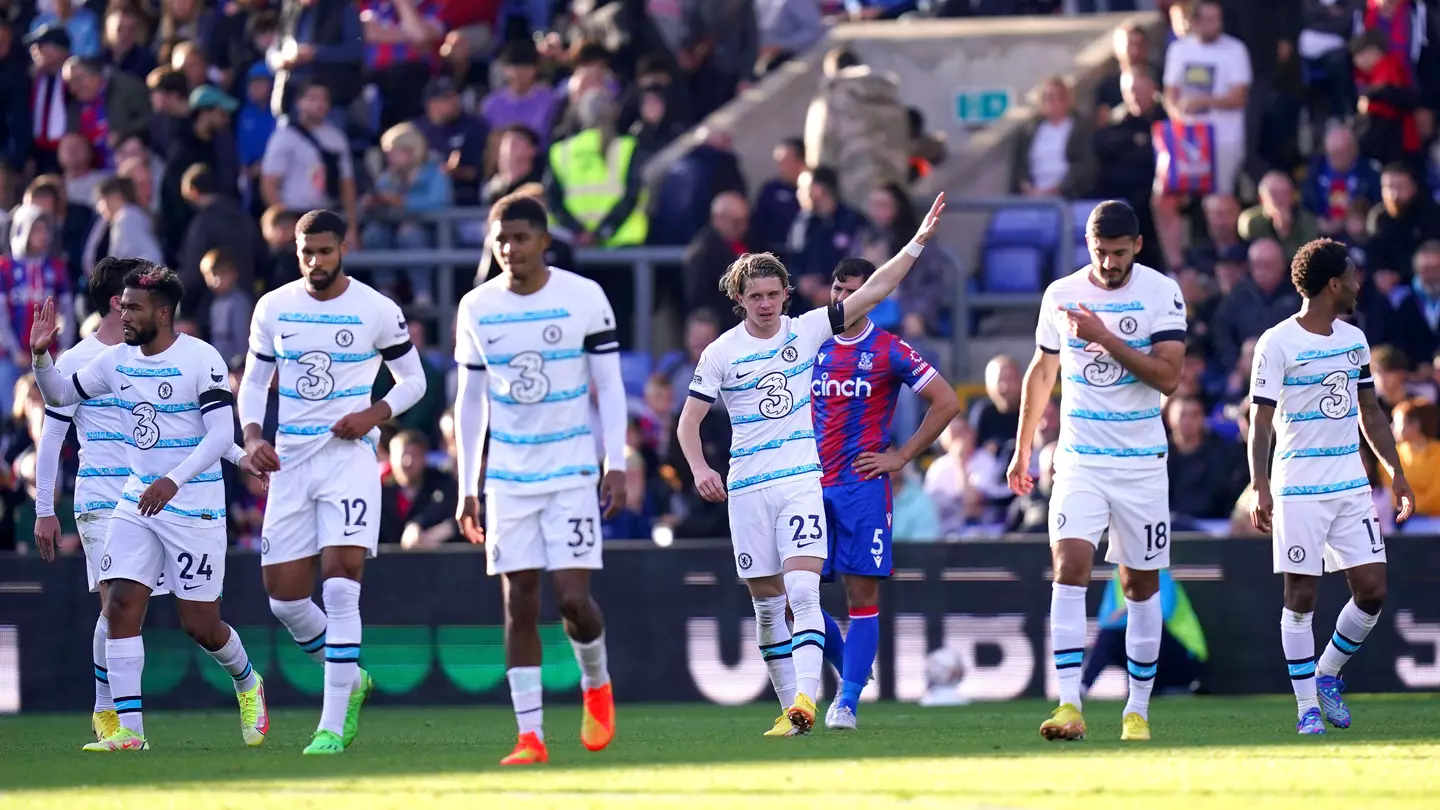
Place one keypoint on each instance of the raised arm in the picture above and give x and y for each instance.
(888, 277)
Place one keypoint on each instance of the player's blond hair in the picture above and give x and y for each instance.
(749, 267)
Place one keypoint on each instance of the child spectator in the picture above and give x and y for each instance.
(230, 306)
(254, 126)
(29, 275)
(1388, 98)
(411, 184)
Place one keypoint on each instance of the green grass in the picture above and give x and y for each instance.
(1208, 753)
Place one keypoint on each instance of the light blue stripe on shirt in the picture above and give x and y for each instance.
(1117, 452)
(1320, 354)
(102, 472)
(106, 402)
(338, 357)
(553, 354)
(213, 514)
(788, 472)
(1107, 306)
(540, 438)
(524, 317)
(316, 317)
(94, 506)
(1321, 452)
(554, 396)
(303, 430)
(1312, 379)
(772, 444)
(1326, 489)
(357, 391)
(755, 417)
(160, 407)
(765, 355)
(1079, 379)
(202, 478)
(1311, 416)
(131, 371)
(535, 478)
(185, 441)
(1113, 416)
(793, 371)
(1134, 343)
(104, 436)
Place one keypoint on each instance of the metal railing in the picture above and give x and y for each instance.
(447, 256)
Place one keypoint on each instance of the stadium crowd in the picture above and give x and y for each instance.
(196, 132)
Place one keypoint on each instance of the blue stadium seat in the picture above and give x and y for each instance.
(634, 370)
(1079, 213)
(1027, 227)
(1082, 256)
(1016, 269)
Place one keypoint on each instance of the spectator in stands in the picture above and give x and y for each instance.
(591, 72)
(229, 308)
(28, 276)
(1257, 303)
(1416, 424)
(1388, 97)
(418, 509)
(1398, 225)
(402, 38)
(104, 101)
(191, 62)
(208, 140)
(253, 128)
(776, 205)
(1207, 81)
(1339, 177)
(124, 228)
(126, 36)
(858, 125)
(702, 327)
(681, 205)
(424, 416)
(456, 139)
(1323, 44)
(218, 222)
(15, 101)
(923, 297)
(1392, 374)
(787, 28)
(915, 518)
(634, 521)
(72, 221)
(719, 48)
(141, 171)
(516, 149)
(282, 264)
(654, 127)
(1201, 298)
(1206, 473)
(77, 166)
(49, 48)
(594, 185)
(1222, 229)
(823, 233)
(411, 186)
(1124, 147)
(1055, 150)
(1131, 46)
(79, 22)
(950, 480)
(995, 418)
(523, 100)
(1409, 32)
(307, 164)
(321, 41)
(1418, 316)
(655, 78)
(711, 253)
(183, 21)
(1279, 216)
(169, 106)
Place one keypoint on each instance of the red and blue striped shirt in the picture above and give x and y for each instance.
(853, 397)
(379, 56)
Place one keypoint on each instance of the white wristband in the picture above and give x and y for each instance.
(914, 248)
(40, 361)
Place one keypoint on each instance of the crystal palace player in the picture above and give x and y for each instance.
(1315, 370)
(763, 371)
(858, 375)
(1117, 330)
(170, 517)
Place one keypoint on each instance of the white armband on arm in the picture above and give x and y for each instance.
(47, 461)
(472, 416)
(610, 391)
(409, 376)
(234, 454)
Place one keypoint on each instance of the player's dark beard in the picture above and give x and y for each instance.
(327, 279)
(142, 336)
(1116, 282)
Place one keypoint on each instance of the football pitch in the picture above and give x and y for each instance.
(1207, 753)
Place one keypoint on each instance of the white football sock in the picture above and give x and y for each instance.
(807, 647)
(232, 658)
(527, 696)
(1067, 639)
(1143, 627)
(103, 701)
(342, 650)
(125, 658)
(1351, 628)
(772, 633)
(1298, 641)
(594, 666)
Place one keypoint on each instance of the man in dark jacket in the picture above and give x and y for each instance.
(320, 40)
(104, 101)
(1398, 225)
(710, 254)
(824, 232)
(206, 140)
(1256, 303)
(1126, 150)
(1417, 321)
(15, 133)
(418, 509)
(218, 222)
(775, 203)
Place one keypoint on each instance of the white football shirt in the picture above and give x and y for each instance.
(328, 354)
(1108, 417)
(100, 425)
(161, 399)
(765, 387)
(1313, 382)
(534, 349)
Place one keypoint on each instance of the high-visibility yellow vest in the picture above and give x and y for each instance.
(594, 183)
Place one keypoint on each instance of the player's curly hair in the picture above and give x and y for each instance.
(157, 279)
(1315, 263)
(749, 267)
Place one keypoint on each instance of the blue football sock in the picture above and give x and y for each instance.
(834, 645)
(860, 650)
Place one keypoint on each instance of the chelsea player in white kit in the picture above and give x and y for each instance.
(170, 517)
(1116, 330)
(531, 343)
(327, 334)
(1313, 370)
(100, 426)
(761, 370)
